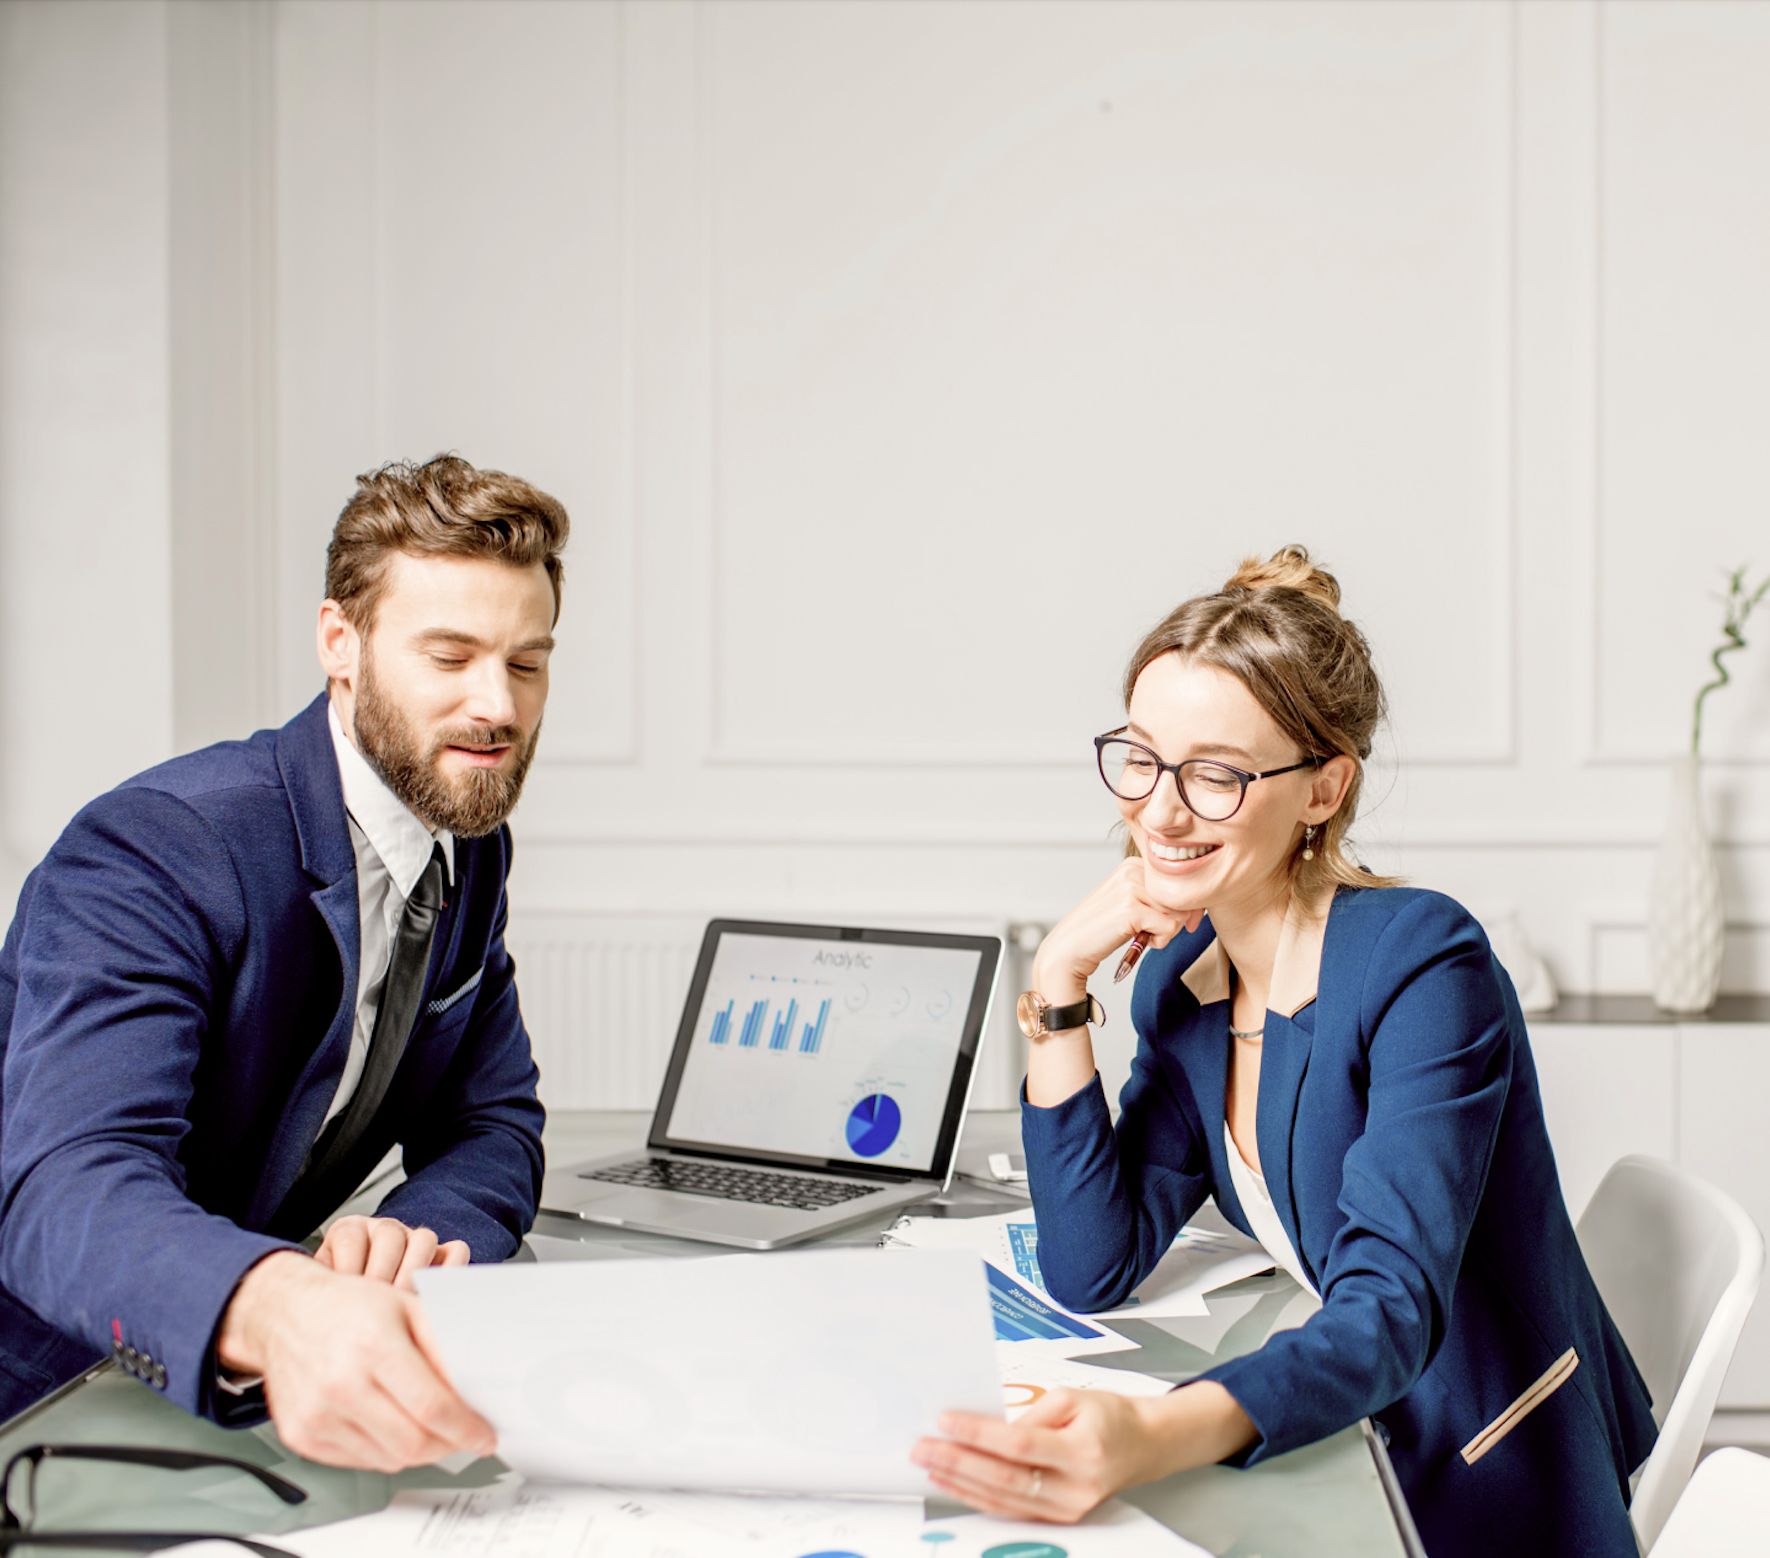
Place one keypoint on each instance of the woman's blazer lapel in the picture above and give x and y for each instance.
(1296, 972)
(1206, 1063)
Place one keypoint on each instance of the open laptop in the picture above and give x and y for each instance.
(820, 1077)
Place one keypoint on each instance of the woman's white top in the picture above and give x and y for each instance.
(1250, 1190)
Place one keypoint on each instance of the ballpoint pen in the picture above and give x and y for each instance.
(1132, 953)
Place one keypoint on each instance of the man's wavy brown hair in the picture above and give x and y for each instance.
(442, 508)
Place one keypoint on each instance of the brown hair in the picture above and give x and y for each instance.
(1276, 627)
(443, 508)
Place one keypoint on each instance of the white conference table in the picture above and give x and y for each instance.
(1334, 1499)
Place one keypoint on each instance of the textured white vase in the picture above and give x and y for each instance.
(1684, 927)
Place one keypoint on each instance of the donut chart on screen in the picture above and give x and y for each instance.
(873, 1125)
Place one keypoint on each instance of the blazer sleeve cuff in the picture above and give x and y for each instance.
(1265, 1401)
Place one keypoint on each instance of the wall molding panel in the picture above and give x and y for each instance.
(900, 365)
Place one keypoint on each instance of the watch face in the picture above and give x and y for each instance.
(1030, 1009)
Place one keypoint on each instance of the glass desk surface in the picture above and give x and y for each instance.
(1325, 1500)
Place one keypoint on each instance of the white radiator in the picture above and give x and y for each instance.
(602, 997)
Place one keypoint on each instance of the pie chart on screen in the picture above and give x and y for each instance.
(873, 1125)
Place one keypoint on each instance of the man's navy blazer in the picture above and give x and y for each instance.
(177, 994)
(1402, 1140)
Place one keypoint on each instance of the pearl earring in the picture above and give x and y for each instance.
(1309, 841)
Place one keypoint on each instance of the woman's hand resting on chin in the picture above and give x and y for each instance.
(1118, 909)
(1114, 912)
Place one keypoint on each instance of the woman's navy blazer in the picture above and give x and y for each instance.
(177, 993)
(1401, 1135)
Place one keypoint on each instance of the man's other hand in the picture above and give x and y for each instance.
(352, 1372)
(385, 1250)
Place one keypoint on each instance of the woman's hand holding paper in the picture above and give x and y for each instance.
(1071, 1449)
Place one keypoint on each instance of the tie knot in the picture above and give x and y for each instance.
(428, 893)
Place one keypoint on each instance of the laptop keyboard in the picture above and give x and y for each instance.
(727, 1183)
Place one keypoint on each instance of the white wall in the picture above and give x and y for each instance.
(899, 365)
(85, 503)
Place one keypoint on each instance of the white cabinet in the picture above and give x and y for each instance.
(1607, 1091)
(1723, 1098)
(1697, 1093)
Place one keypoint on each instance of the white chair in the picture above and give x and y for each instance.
(1678, 1264)
(1724, 1512)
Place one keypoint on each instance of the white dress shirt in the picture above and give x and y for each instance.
(392, 849)
(1262, 1215)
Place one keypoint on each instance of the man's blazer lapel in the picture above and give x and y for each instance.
(309, 769)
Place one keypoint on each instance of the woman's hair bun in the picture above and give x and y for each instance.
(1288, 568)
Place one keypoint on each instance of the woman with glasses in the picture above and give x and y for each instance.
(1341, 1063)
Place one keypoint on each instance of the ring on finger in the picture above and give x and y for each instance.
(1038, 1484)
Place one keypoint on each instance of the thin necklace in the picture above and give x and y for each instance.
(1235, 1032)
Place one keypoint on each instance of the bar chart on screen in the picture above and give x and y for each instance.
(826, 1049)
(783, 1029)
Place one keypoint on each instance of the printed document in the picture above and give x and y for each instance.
(1026, 1378)
(1199, 1261)
(1114, 1530)
(528, 1520)
(516, 1520)
(799, 1372)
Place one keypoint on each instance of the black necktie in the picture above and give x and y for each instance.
(343, 1155)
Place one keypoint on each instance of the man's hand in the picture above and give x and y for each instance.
(351, 1367)
(385, 1250)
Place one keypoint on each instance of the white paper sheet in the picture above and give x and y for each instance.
(1027, 1377)
(518, 1520)
(531, 1521)
(1199, 1261)
(807, 1373)
(1114, 1530)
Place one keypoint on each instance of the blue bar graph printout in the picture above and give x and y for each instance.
(813, 1040)
(721, 1025)
(752, 1029)
(783, 1026)
(1023, 1241)
(1022, 1316)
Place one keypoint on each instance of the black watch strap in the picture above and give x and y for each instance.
(1084, 1011)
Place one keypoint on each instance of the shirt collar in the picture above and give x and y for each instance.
(1296, 967)
(393, 831)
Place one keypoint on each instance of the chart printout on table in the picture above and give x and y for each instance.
(809, 1372)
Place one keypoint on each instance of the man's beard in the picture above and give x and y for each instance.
(469, 806)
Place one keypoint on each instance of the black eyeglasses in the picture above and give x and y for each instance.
(1209, 790)
(15, 1531)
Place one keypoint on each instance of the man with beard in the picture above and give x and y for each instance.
(240, 978)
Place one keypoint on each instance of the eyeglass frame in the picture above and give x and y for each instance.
(1161, 768)
(16, 1532)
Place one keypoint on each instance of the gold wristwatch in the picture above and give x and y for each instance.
(1039, 1018)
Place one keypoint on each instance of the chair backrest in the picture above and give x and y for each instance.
(1678, 1264)
(1723, 1513)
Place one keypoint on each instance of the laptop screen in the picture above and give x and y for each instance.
(828, 1046)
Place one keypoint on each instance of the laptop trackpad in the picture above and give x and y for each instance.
(663, 1209)
(640, 1207)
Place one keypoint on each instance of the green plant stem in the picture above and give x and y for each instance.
(1738, 607)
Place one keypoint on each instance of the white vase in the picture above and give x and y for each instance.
(1684, 927)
